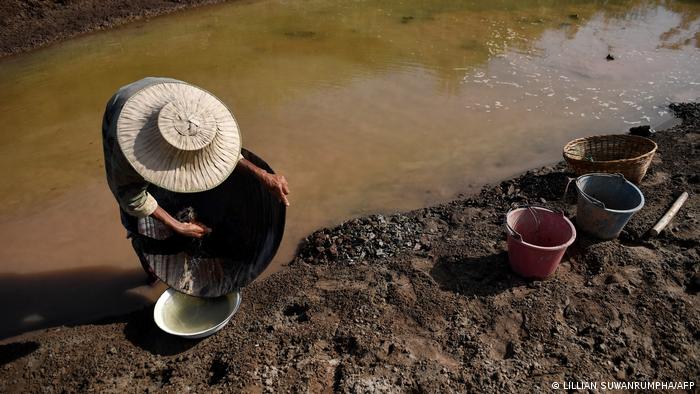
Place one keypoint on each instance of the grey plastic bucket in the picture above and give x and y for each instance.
(606, 202)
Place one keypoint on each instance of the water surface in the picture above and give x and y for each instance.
(366, 106)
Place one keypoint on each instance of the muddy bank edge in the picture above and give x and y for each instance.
(30, 24)
(425, 301)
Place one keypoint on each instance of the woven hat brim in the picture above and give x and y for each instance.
(160, 163)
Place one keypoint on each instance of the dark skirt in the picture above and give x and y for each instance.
(247, 224)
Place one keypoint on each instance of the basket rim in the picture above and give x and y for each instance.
(627, 136)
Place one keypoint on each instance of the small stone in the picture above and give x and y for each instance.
(333, 250)
(620, 375)
(642, 131)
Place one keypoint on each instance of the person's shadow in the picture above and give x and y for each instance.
(96, 295)
(12, 351)
(66, 297)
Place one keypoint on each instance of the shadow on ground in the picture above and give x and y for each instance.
(142, 331)
(34, 301)
(475, 276)
(14, 351)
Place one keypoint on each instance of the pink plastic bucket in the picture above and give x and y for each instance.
(537, 240)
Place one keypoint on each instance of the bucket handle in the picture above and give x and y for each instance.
(512, 231)
(530, 209)
(566, 189)
(592, 200)
(588, 197)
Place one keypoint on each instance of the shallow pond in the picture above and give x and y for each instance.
(366, 106)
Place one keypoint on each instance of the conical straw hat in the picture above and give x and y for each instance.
(179, 137)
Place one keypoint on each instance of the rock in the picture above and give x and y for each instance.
(613, 279)
(642, 131)
(686, 111)
(333, 250)
(694, 283)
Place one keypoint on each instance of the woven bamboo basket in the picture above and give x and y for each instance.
(629, 155)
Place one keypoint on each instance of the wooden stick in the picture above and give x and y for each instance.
(666, 219)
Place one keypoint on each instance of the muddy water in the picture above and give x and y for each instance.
(369, 106)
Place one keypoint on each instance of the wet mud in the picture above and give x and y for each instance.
(425, 301)
(30, 24)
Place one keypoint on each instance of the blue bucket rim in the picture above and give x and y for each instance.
(617, 175)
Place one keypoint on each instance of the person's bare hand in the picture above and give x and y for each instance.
(193, 230)
(277, 185)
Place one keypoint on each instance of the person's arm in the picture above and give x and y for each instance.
(277, 184)
(194, 229)
(130, 190)
(136, 201)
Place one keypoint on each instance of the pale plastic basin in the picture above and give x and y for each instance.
(194, 317)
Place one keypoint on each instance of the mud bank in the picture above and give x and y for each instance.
(425, 301)
(29, 24)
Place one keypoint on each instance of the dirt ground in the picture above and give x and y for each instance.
(29, 24)
(425, 301)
